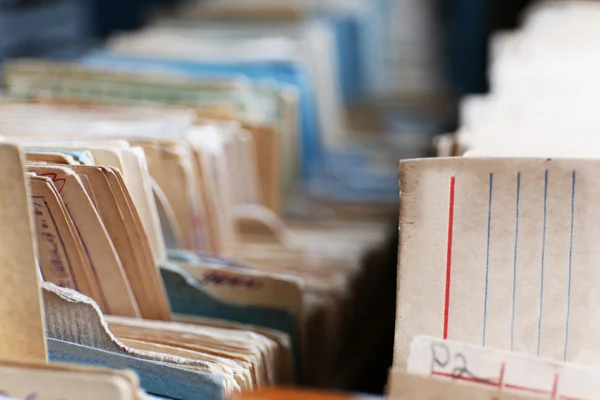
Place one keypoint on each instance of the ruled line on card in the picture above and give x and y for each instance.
(449, 256)
(514, 288)
(487, 255)
(573, 183)
(539, 333)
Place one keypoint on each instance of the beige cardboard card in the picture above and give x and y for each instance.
(255, 223)
(135, 265)
(66, 382)
(55, 158)
(499, 252)
(212, 223)
(233, 381)
(137, 178)
(284, 363)
(215, 184)
(116, 291)
(247, 348)
(170, 166)
(156, 296)
(254, 288)
(267, 154)
(242, 158)
(247, 287)
(236, 162)
(131, 163)
(22, 329)
(506, 371)
(403, 386)
(166, 215)
(61, 254)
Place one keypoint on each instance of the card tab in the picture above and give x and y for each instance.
(503, 370)
(117, 295)
(403, 386)
(65, 382)
(22, 328)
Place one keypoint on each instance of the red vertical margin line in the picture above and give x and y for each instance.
(501, 379)
(554, 387)
(449, 256)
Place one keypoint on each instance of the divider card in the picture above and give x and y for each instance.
(499, 252)
(403, 386)
(501, 370)
(22, 328)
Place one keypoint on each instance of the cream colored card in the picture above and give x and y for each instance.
(104, 260)
(267, 155)
(66, 382)
(135, 263)
(137, 179)
(156, 296)
(169, 164)
(61, 254)
(247, 287)
(499, 253)
(403, 386)
(22, 328)
(506, 371)
(166, 215)
(56, 158)
(131, 163)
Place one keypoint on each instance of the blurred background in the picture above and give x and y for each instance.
(398, 69)
(423, 54)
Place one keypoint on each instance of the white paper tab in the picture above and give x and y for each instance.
(503, 370)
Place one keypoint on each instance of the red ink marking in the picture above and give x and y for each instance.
(501, 380)
(526, 389)
(555, 387)
(449, 256)
(50, 175)
(500, 384)
(466, 379)
(58, 183)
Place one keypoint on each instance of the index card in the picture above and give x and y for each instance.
(500, 253)
(503, 370)
(22, 328)
(116, 290)
(65, 382)
(61, 253)
(403, 386)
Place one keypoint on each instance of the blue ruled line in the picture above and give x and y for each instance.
(487, 257)
(570, 265)
(543, 264)
(514, 291)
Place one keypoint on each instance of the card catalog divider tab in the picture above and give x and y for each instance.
(113, 220)
(403, 386)
(151, 277)
(113, 281)
(188, 297)
(22, 328)
(57, 236)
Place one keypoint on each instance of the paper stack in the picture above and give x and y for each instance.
(144, 229)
